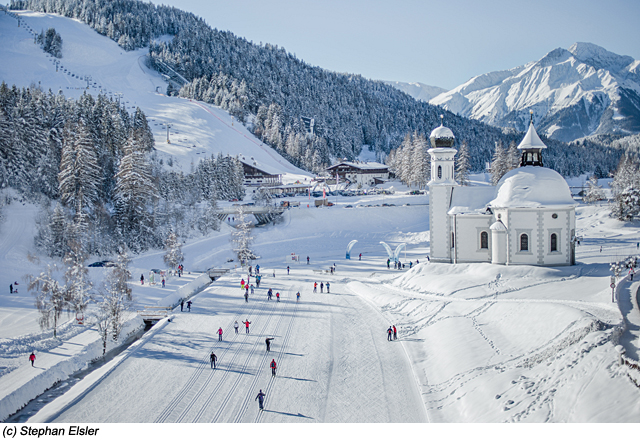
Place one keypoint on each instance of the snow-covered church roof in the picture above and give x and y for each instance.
(531, 140)
(471, 199)
(532, 187)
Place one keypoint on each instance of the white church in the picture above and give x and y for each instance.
(528, 218)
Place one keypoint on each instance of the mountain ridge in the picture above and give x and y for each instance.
(573, 93)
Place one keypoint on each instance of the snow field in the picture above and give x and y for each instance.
(332, 366)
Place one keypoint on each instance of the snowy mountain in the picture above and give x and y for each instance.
(572, 93)
(419, 91)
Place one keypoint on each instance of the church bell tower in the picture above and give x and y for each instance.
(441, 187)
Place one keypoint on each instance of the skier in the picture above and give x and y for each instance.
(246, 297)
(246, 323)
(242, 284)
(236, 326)
(273, 367)
(11, 288)
(389, 333)
(315, 287)
(268, 342)
(360, 257)
(142, 279)
(252, 289)
(220, 334)
(260, 398)
(321, 286)
(274, 273)
(307, 259)
(410, 264)
(388, 263)
(32, 358)
(258, 278)
(297, 296)
(213, 358)
(163, 282)
(249, 270)
(189, 305)
(395, 333)
(327, 286)
(182, 305)
(269, 293)
(278, 296)
(287, 270)
(257, 269)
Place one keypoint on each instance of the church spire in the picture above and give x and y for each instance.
(531, 147)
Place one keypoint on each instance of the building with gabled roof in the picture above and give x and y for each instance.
(360, 173)
(527, 218)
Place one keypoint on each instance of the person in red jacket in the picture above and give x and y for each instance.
(273, 367)
(220, 334)
(32, 358)
(246, 324)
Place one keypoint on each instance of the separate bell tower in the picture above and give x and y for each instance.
(441, 187)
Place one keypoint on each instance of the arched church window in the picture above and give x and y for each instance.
(524, 242)
(439, 172)
(554, 243)
(484, 240)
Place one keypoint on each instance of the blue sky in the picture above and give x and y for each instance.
(441, 43)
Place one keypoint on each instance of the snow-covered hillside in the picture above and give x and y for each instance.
(573, 93)
(196, 130)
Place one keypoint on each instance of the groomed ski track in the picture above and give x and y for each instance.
(334, 362)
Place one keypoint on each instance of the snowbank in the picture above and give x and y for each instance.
(20, 387)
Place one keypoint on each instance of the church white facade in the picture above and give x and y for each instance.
(527, 218)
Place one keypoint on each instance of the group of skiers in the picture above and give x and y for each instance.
(398, 265)
(315, 287)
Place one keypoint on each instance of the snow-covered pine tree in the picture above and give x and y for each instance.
(463, 165)
(135, 194)
(420, 168)
(626, 190)
(594, 191)
(78, 284)
(79, 177)
(173, 251)
(498, 164)
(513, 156)
(210, 221)
(403, 160)
(142, 132)
(242, 237)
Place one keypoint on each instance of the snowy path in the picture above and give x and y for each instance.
(334, 363)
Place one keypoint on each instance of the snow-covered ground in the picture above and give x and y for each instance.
(476, 343)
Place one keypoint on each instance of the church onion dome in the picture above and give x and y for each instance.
(532, 187)
(442, 137)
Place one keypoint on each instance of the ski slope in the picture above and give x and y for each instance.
(196, 130)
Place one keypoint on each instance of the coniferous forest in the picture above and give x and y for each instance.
(271, 90)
